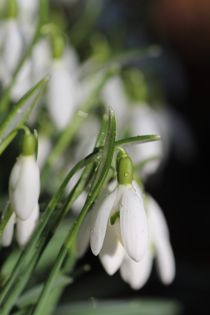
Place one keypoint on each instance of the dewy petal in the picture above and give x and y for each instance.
(24, 190)
(83, 237)
(99, 224)
(112, 252)
(61, 95)
(7, 234)
(133, 224)
(25, 228)
(134, 273)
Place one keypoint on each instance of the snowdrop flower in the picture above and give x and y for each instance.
(28, 10)
(41, 59)
(143, 120)
(62, 88)
(24, 186)
(24, 182)
(12, 49)
(121, 214)
(137, 273)
(114, 96)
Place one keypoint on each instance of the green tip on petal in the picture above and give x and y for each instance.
(29, 145)
(124, 169)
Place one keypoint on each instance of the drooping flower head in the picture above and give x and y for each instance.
(122, 214)
(24, 189)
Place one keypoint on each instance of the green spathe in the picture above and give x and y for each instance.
(124, 169)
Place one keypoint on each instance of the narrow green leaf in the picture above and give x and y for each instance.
(21, 110)
(137, 140)
(7, 140)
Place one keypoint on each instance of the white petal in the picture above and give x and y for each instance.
(41, 59)
(160, 239)
(133, 224)
(134, 273)
(44, 147)
(83, 237)
(114, 96)
(24, 190)
(143, 120)
(7, 234)
(112, 252)
(100, 220)
(62, 94)
(25, 228)
(165, 261)
(156, 220)
(12, 48)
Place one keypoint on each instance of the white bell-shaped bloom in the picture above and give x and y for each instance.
(137, 273)
(24, 186)
(12, 49)
(25, 228)
(61, 94)
(41, 60)
(27, 17)
(143, 120)
(113, 95)
(28, 8)
(7, 235)
(122, 209)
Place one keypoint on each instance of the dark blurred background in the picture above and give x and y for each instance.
(182, 28)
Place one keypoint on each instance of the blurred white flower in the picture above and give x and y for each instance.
(27, 17)
(41, 60)
(114, 96)
(62, 93)
(24, 186)
(121, 213)
(44, 147)
(144, 120)
(12, 46)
